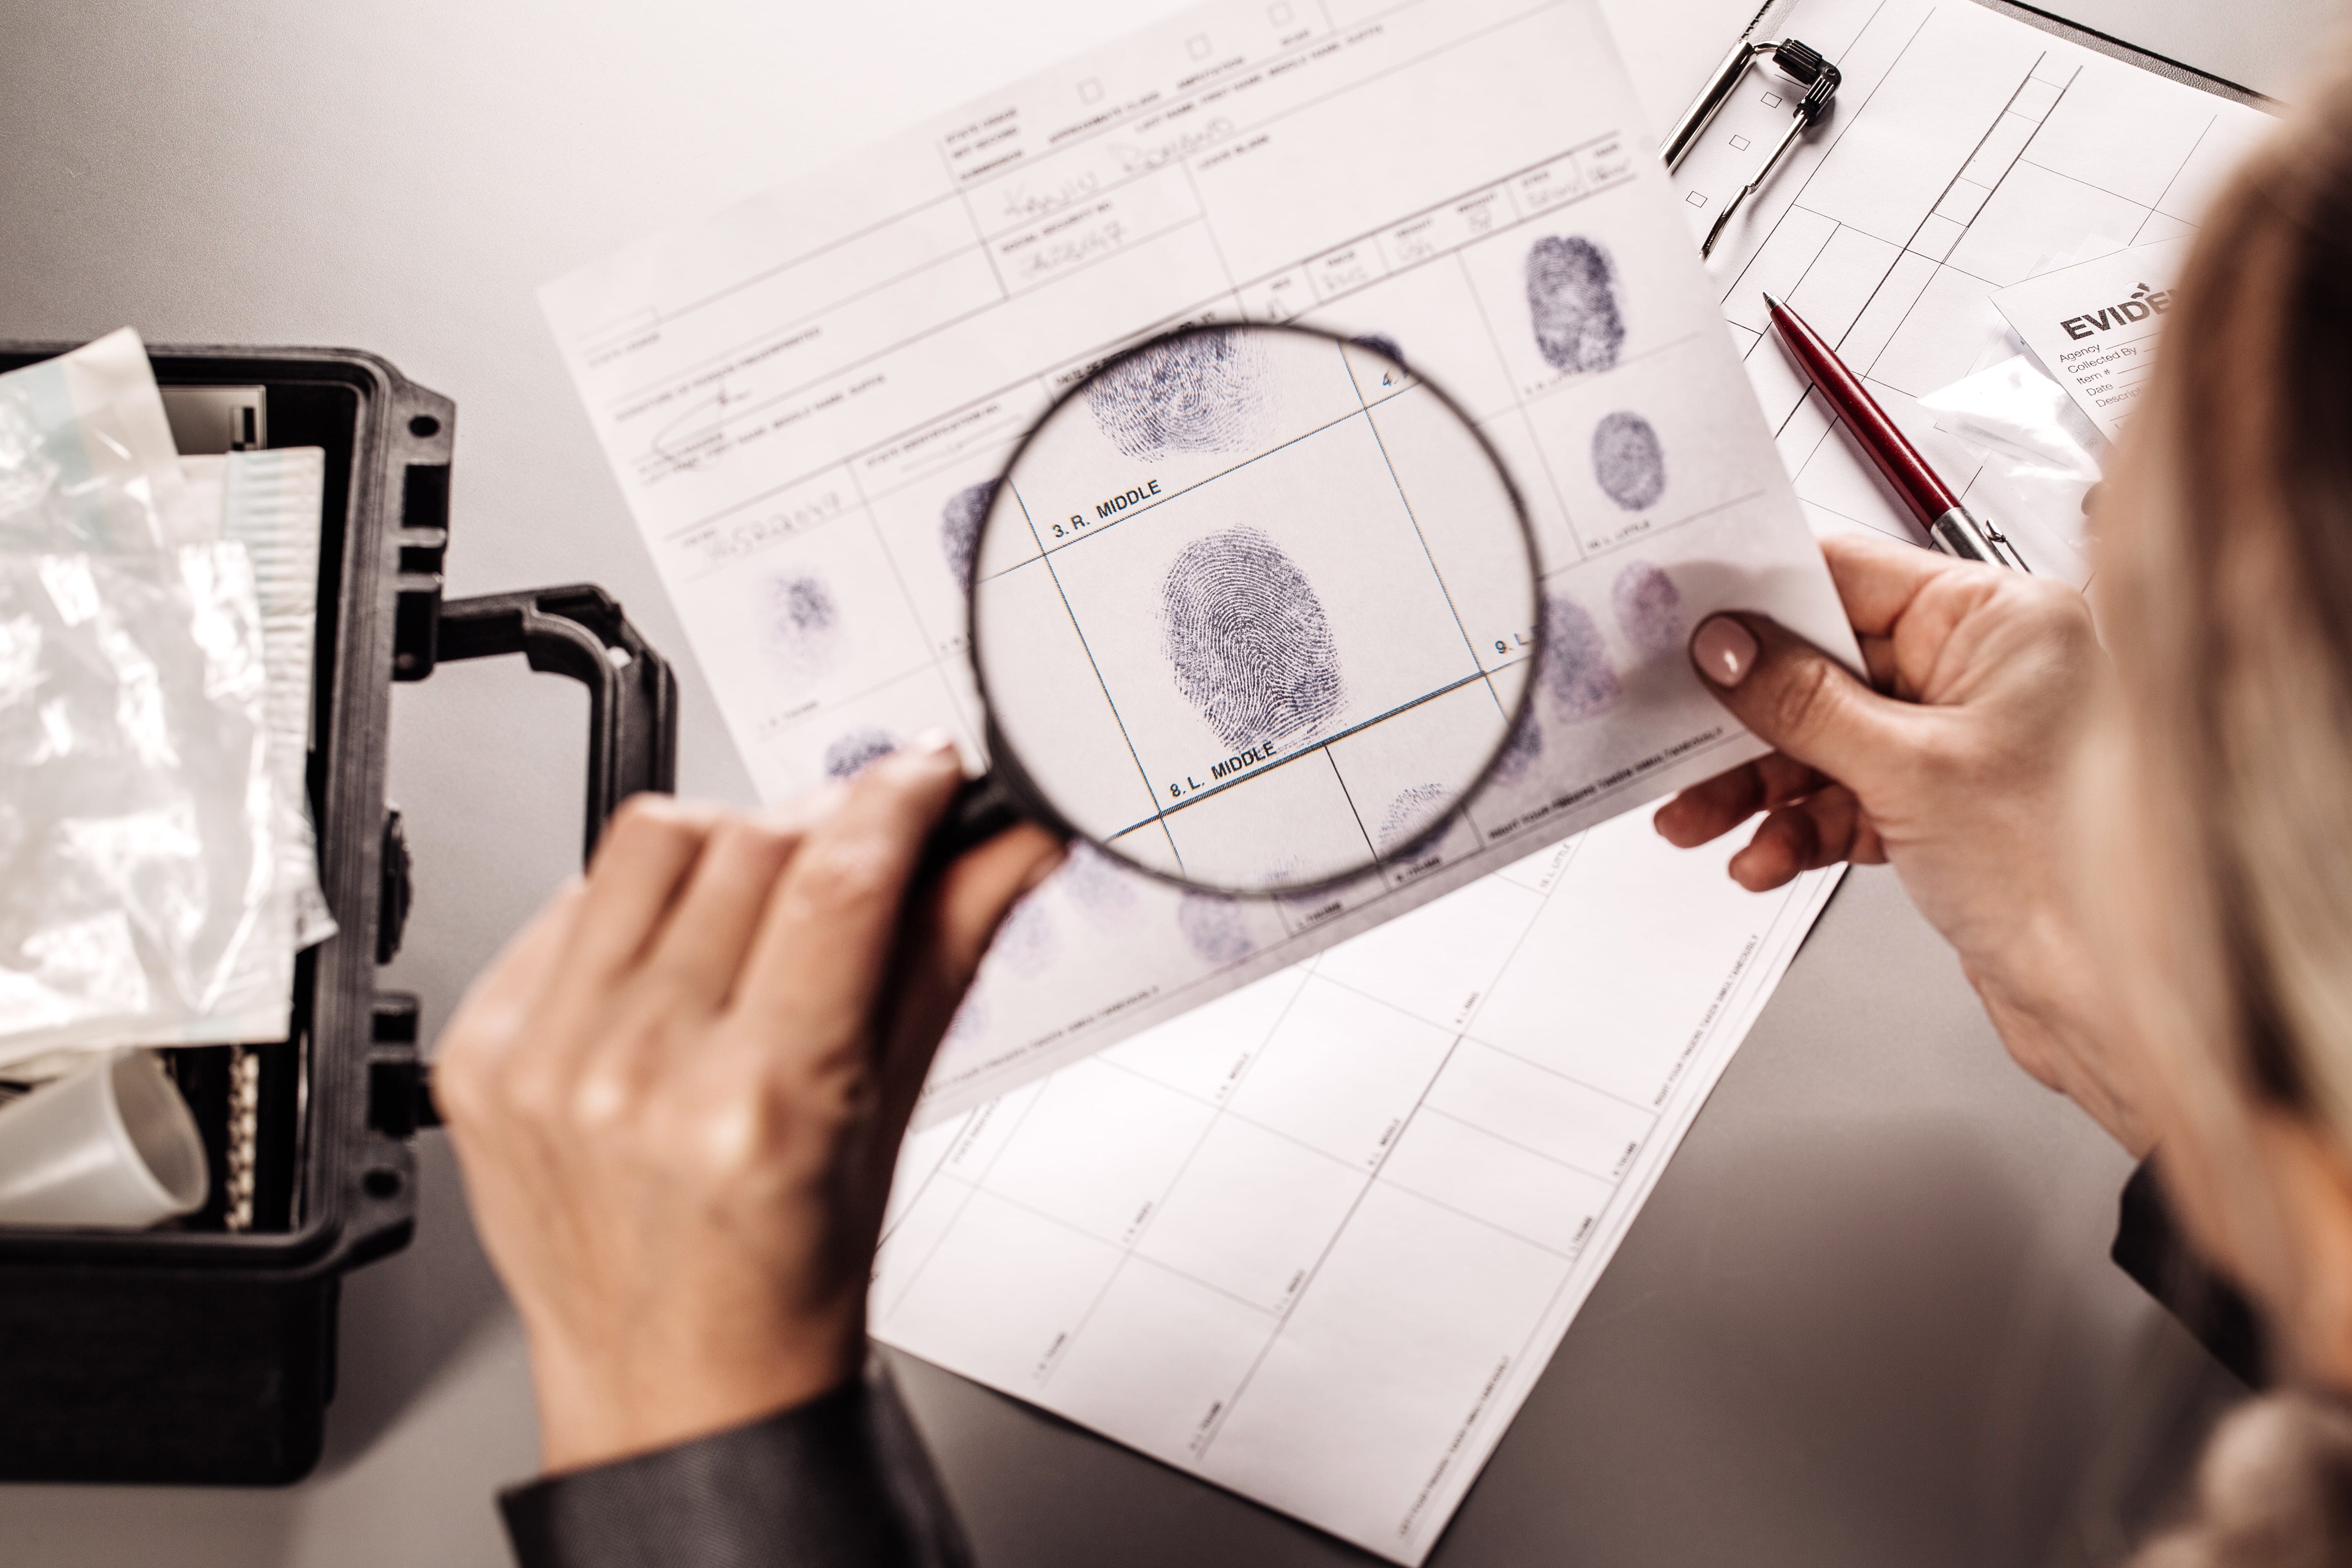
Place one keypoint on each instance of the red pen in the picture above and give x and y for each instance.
(1949, 526)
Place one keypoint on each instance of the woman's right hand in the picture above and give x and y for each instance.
(1953, 769)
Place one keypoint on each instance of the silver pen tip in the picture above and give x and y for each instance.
(1775, 304)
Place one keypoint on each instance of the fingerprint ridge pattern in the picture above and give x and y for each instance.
(1572, 303)
(1246, 638)
(1199, 392)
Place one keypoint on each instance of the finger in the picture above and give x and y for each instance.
(489, 1021)
(641, 863)
(1877, 578)
(1801, 701)
(1712, 808)
(1822, 830)
(1878, 659)
(826, 935)
(701, 946)
(958, 921)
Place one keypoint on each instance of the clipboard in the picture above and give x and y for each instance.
(1763, 45)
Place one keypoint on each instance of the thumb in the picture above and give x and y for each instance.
(1799, 699)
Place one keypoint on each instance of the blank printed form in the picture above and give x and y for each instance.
(808, 399)
(1315, 1241)
(1966, 152)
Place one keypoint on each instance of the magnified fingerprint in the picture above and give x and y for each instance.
(804, 625)
(1203, 392)
(1627, 461)
(1246, 635)
(1213, 927)
(1649, 610)
(1095, 882)
(1416, 809)
(847, 755)
(1577, 674)
(1572, 301)
(1026, 942)
(959, 522)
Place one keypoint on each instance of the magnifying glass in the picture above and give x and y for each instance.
(1254, 608)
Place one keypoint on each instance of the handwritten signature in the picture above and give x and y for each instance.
(1022, 201)
(1134, 160)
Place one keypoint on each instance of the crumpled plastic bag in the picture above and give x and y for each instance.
(86, 455)
(2039, 460)
(139, 846)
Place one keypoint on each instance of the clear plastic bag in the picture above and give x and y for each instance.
(86, 455)
(138, 841)
(2039, 460)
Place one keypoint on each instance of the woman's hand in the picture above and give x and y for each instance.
(1957, 777)
(678, 1095)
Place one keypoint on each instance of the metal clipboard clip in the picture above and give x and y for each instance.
(1799, 63)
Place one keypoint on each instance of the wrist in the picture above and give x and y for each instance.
(2042, 992)
(632, 1396)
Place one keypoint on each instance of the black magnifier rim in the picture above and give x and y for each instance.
(1004, 760)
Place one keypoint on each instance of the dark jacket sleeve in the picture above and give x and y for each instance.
(842, 1480)
(2151, 1249)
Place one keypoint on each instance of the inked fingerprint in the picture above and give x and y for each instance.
(1627, 461)
(970, 1020)
(804, 625)
(847, 755)
(1246, 634)
(1572, 301)
(1416, 811)
(1026, 942)
(1214, 929)
(1203, 392)
(959, 522)
(1095, 882)
(1380, 343)
(1577, 674)
(1649, 610)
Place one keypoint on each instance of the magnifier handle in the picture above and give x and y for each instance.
(982, 809)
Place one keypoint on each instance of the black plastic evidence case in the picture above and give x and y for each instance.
(194, 1354)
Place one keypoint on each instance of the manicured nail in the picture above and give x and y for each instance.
(935, 741)
(1724, 650)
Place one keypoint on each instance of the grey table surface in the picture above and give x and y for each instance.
(1867, 1316)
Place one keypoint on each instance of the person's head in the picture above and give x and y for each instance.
(2217, 794)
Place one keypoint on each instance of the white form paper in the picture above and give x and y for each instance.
(1317, 1240)
(2094, 325)
(1966, 152)
(806, 398)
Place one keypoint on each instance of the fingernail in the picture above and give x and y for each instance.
(935, 743)
(1724, 650)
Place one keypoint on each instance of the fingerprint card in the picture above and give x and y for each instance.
(1238, 630)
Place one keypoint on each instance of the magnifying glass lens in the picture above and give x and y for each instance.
(1254, 608)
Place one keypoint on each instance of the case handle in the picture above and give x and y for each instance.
(580, 631)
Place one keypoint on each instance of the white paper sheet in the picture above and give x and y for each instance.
(1966, 152)
(2094, 325)
(802, 396)
(1317, 1240)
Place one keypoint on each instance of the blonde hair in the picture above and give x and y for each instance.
(2227, 600)
(2226, 596)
